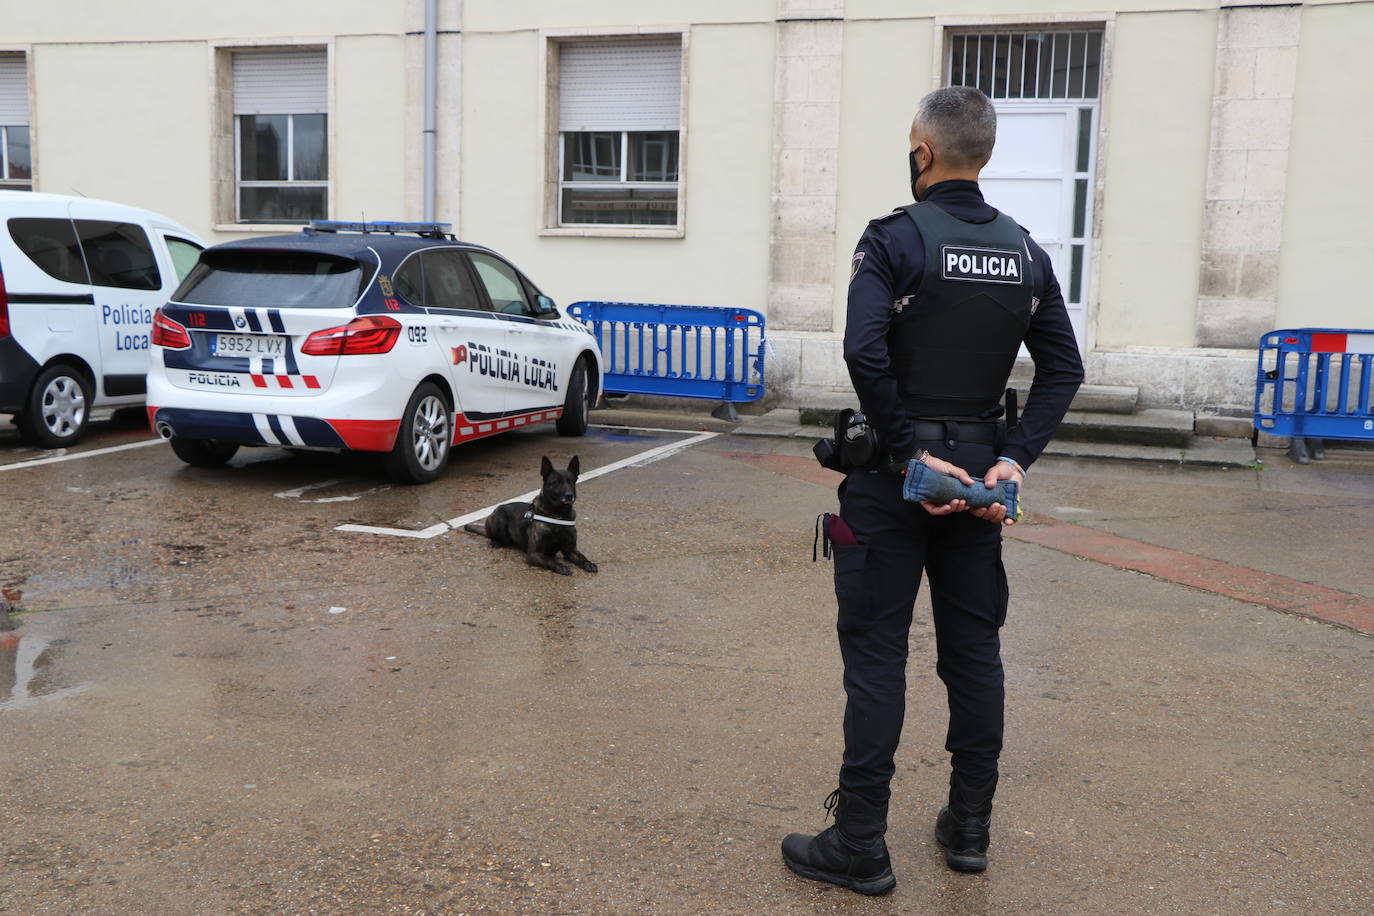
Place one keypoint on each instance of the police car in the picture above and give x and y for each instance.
(79, 282)
(379, 337)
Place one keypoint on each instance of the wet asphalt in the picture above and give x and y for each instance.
(217, 702)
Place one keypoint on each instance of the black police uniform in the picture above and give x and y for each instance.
(940, 300)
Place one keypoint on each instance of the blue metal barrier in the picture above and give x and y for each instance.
(1316, 382)
(687, 351)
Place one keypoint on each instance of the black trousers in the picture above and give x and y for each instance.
(876, 583)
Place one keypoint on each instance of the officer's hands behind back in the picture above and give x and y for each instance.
(945, 467)
(998, 472)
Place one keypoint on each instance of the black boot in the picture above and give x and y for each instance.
(850, 852)
(962, 827)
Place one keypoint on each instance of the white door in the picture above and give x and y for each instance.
(1041, 176)
(533, 345)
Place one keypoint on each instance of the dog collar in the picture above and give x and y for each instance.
(530, 516)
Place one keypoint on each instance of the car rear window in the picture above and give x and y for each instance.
(272, 279)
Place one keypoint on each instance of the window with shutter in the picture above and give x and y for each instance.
(619, 122)
(281, 149)
(16, 159)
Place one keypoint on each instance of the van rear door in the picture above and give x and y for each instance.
(50, 301)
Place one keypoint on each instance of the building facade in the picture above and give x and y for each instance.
(1198, 171)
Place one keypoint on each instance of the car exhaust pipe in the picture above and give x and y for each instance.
(164, 429)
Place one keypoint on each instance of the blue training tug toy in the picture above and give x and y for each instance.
(924, 484)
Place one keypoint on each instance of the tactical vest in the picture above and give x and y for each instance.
(954, 341)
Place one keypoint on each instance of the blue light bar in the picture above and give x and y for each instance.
(334, 225)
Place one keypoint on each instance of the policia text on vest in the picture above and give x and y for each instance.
(980, 265)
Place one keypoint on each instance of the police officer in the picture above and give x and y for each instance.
(942, 294)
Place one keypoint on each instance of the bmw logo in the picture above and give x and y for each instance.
(240, 322)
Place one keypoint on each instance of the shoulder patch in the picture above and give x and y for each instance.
(855, 264)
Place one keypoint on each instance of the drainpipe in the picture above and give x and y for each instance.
(431, 101)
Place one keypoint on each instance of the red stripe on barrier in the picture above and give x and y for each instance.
(1328, 343)
(259, 381)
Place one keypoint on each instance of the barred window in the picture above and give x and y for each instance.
(1053, 64)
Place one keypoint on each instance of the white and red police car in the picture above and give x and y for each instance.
(381, 337)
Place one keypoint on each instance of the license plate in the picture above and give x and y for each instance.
(247, 345)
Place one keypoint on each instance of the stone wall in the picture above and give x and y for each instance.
(806, 140)
(1252, 114)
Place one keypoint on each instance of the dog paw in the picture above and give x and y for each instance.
(563, 570)
(589, 566)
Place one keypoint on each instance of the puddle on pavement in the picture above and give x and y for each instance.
(122, 564)
(28, 670)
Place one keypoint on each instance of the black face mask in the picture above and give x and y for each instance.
(916, 170)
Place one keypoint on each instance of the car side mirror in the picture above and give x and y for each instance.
(544, 305)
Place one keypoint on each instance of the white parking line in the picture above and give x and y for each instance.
(637, 460)
(35, 462)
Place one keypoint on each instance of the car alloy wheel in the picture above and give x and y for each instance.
(431, 432)
(63, 406)
(57, 409)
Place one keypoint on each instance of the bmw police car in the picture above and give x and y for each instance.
(381, 337)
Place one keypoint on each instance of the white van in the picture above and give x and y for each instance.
(79, 282)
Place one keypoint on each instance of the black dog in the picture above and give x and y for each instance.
(544, 528)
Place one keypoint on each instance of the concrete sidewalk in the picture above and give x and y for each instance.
(198, 733)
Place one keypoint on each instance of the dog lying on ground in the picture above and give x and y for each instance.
(544, 528)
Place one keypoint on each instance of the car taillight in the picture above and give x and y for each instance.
(4, 309)
(168, 333)
(368, 334)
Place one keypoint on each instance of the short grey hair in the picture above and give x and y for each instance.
(961, 122)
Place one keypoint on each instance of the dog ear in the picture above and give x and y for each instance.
(545, 467)
(573, 467)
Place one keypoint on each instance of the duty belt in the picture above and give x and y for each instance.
(981, 432)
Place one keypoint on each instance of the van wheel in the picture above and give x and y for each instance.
(424, 439)
(577, 406)
(59, 406)
(203, 453)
